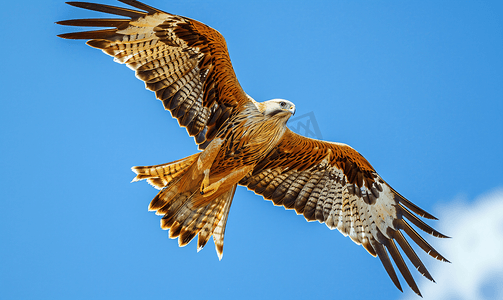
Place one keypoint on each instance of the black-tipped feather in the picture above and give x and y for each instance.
(86, 35)
(416, 209)
(402, 267)
(202, 239)
(420, 224)
(175, 229)
(109, 9)
(96, 22)
(190, 224)
(142, 6)
(186, 237)
(420, 241)
(411, 254)
(383, 256)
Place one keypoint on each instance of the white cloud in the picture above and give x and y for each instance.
(475, 250)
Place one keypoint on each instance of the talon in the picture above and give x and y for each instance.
(206, 181)
(212, 188)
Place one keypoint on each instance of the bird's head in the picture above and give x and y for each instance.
(276, 107)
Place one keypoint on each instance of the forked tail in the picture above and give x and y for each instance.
(176, 202)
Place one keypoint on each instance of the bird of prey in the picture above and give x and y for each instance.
(245, 142)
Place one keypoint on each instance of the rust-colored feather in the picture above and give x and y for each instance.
(334, 184)
(186, 64)
(182, 60)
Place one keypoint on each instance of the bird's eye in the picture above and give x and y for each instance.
(282, 103)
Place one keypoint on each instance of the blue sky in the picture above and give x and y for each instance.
(414, 86)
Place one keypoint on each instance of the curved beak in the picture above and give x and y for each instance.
(292, 110)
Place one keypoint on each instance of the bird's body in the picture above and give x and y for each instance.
(249, 133)
(245, 142)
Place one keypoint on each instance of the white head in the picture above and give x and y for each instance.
(276, 106)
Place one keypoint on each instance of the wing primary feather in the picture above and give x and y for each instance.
(87, 35)
(416, 209)
(420, 241)
(402, 267)
(109, 9)
(420, 224)
(142, 6)
(96, 22)
(386, 262)
(411, 254)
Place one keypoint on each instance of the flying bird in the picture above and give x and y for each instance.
(245, 142)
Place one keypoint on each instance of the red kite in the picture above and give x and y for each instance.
(245, 142)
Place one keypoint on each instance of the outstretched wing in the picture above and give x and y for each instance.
(335, 185)
(183, 61)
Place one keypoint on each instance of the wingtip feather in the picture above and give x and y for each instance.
(386, 262)
(402, 267)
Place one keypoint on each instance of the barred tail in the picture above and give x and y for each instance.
(176, 203)
(160, 176)
(185, 220)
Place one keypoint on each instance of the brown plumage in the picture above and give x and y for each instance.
(245, 142)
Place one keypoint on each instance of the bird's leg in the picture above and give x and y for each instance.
(206, 181)
(204, 163)
(228, 180)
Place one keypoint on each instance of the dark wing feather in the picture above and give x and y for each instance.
(335, 185)
(109, 9)
(182, 60)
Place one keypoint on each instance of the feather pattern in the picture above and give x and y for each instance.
(186, 221)
(160, 176)
(186, 64)
(183, 61)
(335, 185)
